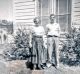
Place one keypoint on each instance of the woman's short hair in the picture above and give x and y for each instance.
(34, 20)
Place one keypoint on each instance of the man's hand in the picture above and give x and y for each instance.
(55, 36)
(47, 30)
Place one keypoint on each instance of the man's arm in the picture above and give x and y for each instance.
(59, 29)
(47, 29)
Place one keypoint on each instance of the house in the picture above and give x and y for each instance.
(26, 10)
(66, 11)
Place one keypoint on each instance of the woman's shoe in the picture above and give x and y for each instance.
(34, 67)
(40, 67)
(44, 65)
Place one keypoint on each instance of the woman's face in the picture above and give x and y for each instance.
(36, 21)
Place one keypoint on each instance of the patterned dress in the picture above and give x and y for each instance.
(38, 50)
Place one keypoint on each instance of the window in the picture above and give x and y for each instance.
(61, 8)
(63, 12)
(44, 11)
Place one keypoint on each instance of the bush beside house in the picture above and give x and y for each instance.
(20, 51)
(70, 52)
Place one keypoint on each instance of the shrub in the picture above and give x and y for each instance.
(70, 52)
(21, 49)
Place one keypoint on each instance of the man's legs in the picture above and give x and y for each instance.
(50, 49)
(53, 50)
(57, 50)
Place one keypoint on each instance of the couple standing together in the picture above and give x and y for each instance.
(43, 57)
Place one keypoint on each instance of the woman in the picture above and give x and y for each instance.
(37, 44)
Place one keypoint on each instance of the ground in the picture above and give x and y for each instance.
(19, 67)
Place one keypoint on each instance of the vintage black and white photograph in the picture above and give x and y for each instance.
(39, 36)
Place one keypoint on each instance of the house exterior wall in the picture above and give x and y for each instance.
(76, 13)
(24, 12)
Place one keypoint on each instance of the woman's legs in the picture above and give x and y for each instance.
(35, 66)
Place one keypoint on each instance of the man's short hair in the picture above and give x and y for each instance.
(52, 15)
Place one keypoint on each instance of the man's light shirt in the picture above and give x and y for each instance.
(54, 29)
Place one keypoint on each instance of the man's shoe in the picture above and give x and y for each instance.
(39, 67)
(54, 66)
(48, 65)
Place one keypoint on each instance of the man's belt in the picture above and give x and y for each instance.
(52, 36)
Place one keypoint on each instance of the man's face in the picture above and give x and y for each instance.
(52, 19)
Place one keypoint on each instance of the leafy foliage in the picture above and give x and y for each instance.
(70, 52)
(22, 39)
(21, 48)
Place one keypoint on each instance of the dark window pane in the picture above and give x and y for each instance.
(44, 11)
(63, 21)
(69, 6)
(63, 12)
(57, 6)
(62, 6)
(39, 8)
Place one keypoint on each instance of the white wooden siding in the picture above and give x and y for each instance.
(76, 12)
(24, 13)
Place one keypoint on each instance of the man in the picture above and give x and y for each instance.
(53, 33)
(37, 44)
